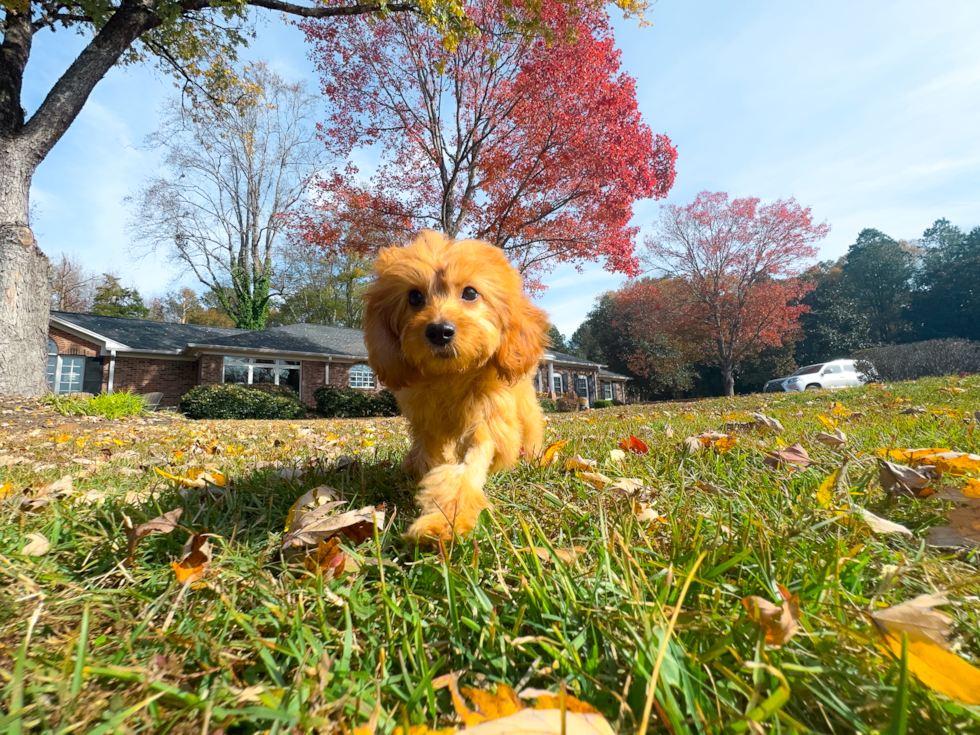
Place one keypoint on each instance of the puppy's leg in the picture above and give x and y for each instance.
(452, 494)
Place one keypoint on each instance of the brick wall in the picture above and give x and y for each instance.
(69, 344)
(173, 378)
(311, 377)
(211, 369)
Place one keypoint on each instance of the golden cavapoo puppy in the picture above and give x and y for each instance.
(450, 332)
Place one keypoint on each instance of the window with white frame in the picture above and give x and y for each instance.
(559, 387)
(361, 376)
(65, 373)
(607, 391)
(582, 386)
(257, 370)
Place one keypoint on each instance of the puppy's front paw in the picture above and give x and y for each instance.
(451, 499)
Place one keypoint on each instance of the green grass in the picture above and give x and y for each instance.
(89, 646)
(106, 405)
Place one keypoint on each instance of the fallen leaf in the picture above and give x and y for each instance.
(195, 559)
(634, 445)
(548, 456)
(309, 500)
(918, 619)
(781, 622)
(645, 513)
(327, 559)
(568, 556)
(913, 411)
(725, 444)
(793, 456)
(828, 422)
(626, 485)
(898, 479)
(195, 478)
(765, 423)
(579, 463)
(880, 525)
(616, 456)
(837, 439)
(929, 655)
(291, 473)
(702, 441)
(45, 494)
(38, 545)
(710, 487)
(161, 524)
(6, 489)
(308, 529)
(825, 493)
(595, 479)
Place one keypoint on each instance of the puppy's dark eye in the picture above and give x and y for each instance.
(470, 294)
(415, 298)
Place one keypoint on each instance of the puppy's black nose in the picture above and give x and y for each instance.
(440, 333)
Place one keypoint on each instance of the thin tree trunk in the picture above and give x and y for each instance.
(25, 289)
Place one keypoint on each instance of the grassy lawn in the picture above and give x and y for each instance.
(92, 644)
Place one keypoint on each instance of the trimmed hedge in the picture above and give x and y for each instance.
(602, 404)
(914, 360)
(230, 401)
(335, 402)
(548, 405)
(566, 405)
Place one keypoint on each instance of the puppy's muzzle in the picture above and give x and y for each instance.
(440, 334)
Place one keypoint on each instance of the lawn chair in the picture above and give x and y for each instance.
(152, 400)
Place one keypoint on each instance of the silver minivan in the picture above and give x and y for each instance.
(833, 374)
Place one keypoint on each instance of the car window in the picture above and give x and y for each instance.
(809, 369)
(832, 369)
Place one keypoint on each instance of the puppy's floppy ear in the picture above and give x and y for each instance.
(523, 339)
(382, 341)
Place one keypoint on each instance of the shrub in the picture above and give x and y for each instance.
(566, 405)
(336, 402)
(601, 404)
(230, 401)
(934, 358)
(617, 402)
(548, 405)
(106, 405)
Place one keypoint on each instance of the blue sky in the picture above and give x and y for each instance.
(867, 111)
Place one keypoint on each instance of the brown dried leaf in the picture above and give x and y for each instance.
(38, 545)
(781, 622)
(880, 525)
(579, 463)
(837, 439)
(918, 619)
(567, 556)
(626, 485)
(595, 479)
(39, 497)
(161, 524)
(899, 479)
(317, 525)
(765, 423)
(793, 457)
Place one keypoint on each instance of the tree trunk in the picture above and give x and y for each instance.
(25, 289)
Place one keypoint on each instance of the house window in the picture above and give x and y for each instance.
(607, 391)
(256, 370)
(65, 374)
(361, 376)
(582, 386)
(559, 386)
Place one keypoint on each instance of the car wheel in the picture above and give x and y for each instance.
(813, 386)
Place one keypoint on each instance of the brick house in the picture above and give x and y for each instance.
(96, 354)
(560, 373)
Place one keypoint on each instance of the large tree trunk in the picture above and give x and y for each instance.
(25, 290)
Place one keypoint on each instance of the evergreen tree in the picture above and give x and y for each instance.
(111, 299)
(878, 274)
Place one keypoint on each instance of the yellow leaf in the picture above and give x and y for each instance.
(595, 479)
(579, 463)
(940, 670)
(825, 493)
(958, 465)
(725, 445)
(972, 489)
(6, 489)
(828, 422)
(62, 438)
(80, 441)
(549, 453)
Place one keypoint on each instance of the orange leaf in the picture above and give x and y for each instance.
(196, 557)
(549, 454)
(634, 445)
(780, 622)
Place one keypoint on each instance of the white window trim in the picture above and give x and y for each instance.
(561, 383)
(350, 377)
(607, 386)
(276, 366)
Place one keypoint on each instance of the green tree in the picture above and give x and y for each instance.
(878, 273)
(112, 299)
(946, 301)
(320, 289)
(557, 340)
(836, 325)
(184, 306)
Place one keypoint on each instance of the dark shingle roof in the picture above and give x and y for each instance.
(569, 359)
(144, 335)
(610, 374)
(307, 338)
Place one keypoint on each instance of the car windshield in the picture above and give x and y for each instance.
(809, 370)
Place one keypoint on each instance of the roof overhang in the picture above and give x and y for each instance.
(195, 348)
(106, 345)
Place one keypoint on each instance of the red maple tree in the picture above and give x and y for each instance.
(536, 147)
(738, 261)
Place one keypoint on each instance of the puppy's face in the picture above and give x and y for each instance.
(439, 307)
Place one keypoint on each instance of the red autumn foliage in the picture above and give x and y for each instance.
(735, 263)
(539, 149)
(633, 444)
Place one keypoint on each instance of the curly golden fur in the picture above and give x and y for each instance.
(465, 388)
